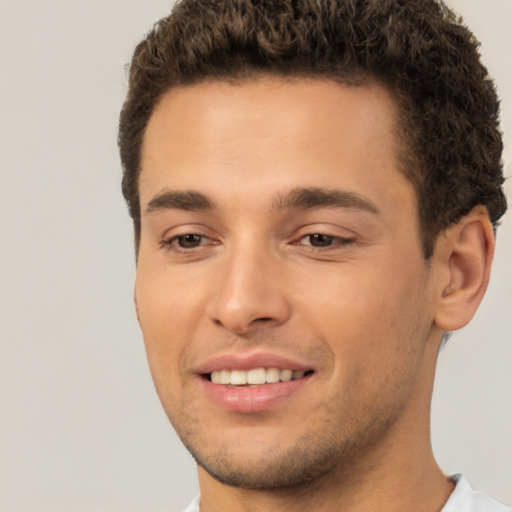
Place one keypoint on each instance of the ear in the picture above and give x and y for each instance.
(463, 257)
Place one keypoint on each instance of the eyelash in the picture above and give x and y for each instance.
(331, 242)
(173, 243)
(335, 242)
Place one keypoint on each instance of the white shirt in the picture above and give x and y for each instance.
(465, 499)
(462, 499)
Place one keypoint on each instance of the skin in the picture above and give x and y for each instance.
(365, 311)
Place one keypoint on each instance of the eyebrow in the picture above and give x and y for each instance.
(173, 199)
(310, 198)
(296, 198)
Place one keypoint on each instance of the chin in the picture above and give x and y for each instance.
(296, 468)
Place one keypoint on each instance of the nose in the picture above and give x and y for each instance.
(249, 292)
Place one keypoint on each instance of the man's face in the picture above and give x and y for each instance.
(279, 241)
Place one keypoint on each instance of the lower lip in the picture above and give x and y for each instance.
(252, 399)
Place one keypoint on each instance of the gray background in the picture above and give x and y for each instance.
(81, 428)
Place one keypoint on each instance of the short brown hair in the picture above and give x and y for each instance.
(417, 49)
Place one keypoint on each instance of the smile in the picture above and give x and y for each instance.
(254, 377)
(255, 390)
(253, 382)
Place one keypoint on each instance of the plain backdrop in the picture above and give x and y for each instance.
(81, 428)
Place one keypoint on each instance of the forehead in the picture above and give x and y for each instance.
(294, 106)
(271, 134)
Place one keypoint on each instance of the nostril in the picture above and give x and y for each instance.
(263, 319)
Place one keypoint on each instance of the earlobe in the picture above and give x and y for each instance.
(464, 255)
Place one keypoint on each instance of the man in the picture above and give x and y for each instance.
(314, 187)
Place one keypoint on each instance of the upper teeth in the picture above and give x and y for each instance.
(255, 377)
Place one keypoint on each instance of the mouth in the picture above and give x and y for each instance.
(255, 377)
(255, 381)
(255, 390)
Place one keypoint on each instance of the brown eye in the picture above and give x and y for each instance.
(189, 241)
(320, 240)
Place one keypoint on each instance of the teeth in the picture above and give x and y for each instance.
(285, 375)
(238, 378)
(272, 375)
(255, 377)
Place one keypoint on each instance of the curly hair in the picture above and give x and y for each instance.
(450, 144)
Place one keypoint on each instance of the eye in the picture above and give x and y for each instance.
(186, 241)
(321, 241)
(189, 241)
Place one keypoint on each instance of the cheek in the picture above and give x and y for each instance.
(365, 314)
(166, 316)
(370, 326)
(166, 302)
(349, 297)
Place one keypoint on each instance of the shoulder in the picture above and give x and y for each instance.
(465, 499)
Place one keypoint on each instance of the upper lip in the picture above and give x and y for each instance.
(250, 361)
